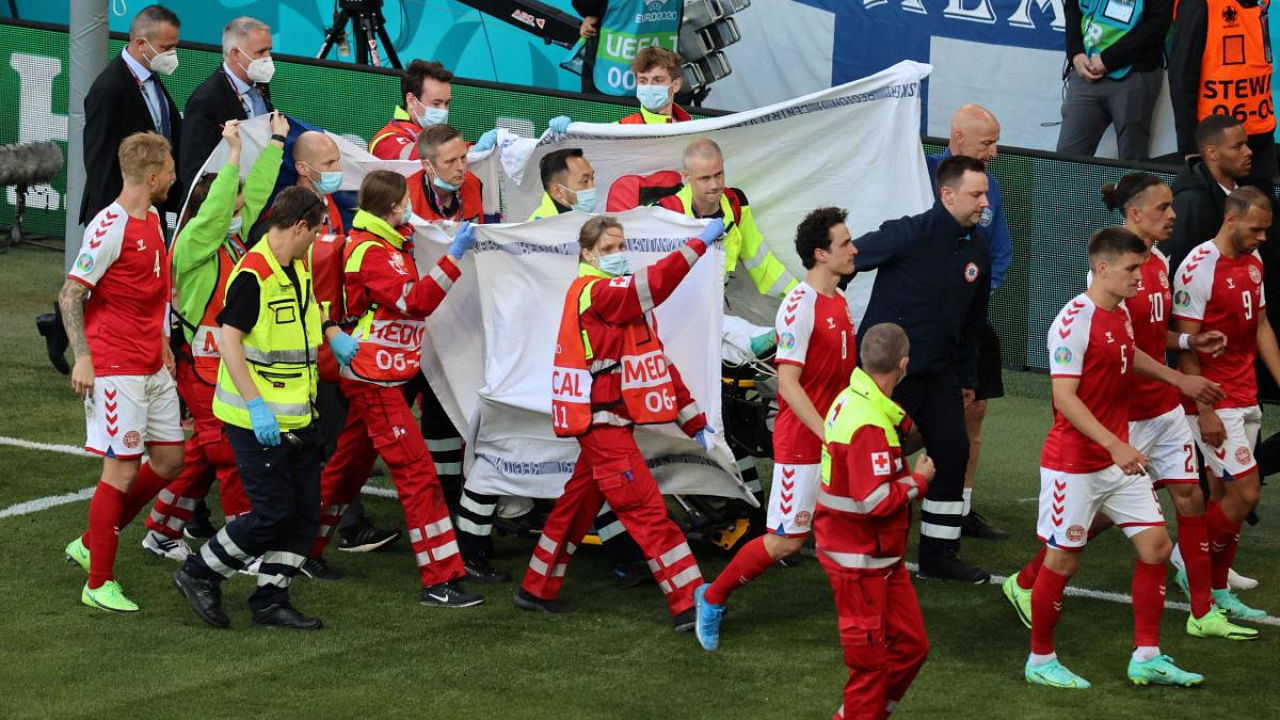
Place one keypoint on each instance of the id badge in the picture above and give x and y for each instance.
(1120, 11)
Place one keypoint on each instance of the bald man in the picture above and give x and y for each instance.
(976, 132)
(1115, 67)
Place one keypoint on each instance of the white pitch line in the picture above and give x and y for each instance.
(44, 503)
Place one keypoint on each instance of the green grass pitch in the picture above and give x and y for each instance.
(381, 655)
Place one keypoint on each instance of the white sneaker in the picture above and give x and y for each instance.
(168, 548)
(1236, 581)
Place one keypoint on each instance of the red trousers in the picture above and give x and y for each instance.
(207, 456)
(610, 467)
(883, 636)
(379, 422)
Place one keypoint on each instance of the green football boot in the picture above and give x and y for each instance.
(1054, 674)
(1020, 599)
(108, 596)
(1160, 670)
(77, 553)
(1234, 609)
(1215, 624)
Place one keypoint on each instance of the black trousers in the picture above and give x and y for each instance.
(936, 406)
(283, 485)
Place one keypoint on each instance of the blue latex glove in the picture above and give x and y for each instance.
(486, 141)
(713, 232)
(463, 240)
(706, 437)
(559, 124)
(344, 347)
(265, 426)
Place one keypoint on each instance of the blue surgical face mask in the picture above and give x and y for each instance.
(237, 224)
(433, 116)
(586, 199)
(653, 97)
(406, 215)
(441, 183)
(328, 183)
(616, 264)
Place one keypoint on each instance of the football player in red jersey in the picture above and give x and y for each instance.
(114, 304)
(1088, 467)
(1157, 423)
(816, 353)
(1219, 287)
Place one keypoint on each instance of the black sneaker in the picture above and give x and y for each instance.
(284, 616)
(525, 601)
(317, 568)
(204, 596)
(792, 560)
(685, 621)
(975, 526)
(480, 571)
(946, 565)
(199, 527)
(363, 536)
(449, 595)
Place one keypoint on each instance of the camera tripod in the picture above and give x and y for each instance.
(369, 27)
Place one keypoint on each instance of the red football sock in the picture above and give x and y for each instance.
(1224, 536)
(104, 532)
(752, 560)
(1046, 604)
(1193, 542)
(1148, 602)
(1027, 575)
(144, 489)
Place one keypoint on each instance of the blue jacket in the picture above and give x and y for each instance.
(993, 222)
(934, 279)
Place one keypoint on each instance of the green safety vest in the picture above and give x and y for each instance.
(857, 406)
(282, 348)
(1104, 23)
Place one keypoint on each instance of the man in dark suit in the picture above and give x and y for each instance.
(236, 91)
(128, 97)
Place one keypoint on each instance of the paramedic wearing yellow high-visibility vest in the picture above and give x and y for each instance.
(265, 395)
(568, 183)
(1220, 64)
(704, 195)
(658, 81)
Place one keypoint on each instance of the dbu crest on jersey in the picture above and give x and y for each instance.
(987, 215)
(1182, 299)
(1062, 355)
(786, 341)
(1254, 275)
(971, 272)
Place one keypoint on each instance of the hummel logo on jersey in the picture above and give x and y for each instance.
(831, 323)
(1109, 338)
(1231, 283)
(142, 244)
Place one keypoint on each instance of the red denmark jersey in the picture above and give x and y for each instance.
(123, 260)
(816, 333)
(1096, 346)
(1149, 312)
(1224, 294)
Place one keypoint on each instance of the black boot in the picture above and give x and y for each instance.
(975, 526)
(939, 561)
(204, 596)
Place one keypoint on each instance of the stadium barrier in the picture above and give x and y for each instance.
(1052, 203)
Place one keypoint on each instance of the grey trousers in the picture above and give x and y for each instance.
(1089, 107)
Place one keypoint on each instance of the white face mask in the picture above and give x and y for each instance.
(237, 224)
(260, 70)
(162, 63)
